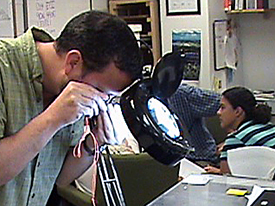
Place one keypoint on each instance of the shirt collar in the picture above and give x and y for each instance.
(32, 35)
(243, 124)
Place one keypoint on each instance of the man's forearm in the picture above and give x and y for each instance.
(19, 149)
(74, 167)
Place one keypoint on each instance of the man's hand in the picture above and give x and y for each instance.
(104, 129)
(211, 169)
(75, 100)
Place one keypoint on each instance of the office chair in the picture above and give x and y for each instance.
(252, 161)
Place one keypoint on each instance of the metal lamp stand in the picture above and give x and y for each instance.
(109, 181)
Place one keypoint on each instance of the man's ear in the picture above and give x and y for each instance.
(73, 61)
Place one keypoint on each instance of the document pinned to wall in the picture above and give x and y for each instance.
(226, 45)
(6, 19)
(52, 15)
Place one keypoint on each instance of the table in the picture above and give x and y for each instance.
(211, 194)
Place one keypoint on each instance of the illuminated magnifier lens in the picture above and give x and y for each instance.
(163, 117)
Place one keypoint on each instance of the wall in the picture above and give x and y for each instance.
(256, 33)
(96, 4)
(216, 12)
(170, 23)
(52, 15)
(258, 49)
(101, 5)
(19, 17)
(210, 10)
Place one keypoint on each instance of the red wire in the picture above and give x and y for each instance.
(77, 152)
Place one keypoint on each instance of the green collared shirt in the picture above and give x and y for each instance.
(21, 99)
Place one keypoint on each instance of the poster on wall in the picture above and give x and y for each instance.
(190, 42)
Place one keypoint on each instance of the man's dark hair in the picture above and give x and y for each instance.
(102, 38)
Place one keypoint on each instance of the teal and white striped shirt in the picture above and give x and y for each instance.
(250, 134)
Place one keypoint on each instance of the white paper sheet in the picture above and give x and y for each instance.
(187, 167)
(197, 179)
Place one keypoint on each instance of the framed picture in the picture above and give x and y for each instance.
(189, 40)
(183, 7)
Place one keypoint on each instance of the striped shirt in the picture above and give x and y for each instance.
(192, 104)
(250, 134)
(21, 99)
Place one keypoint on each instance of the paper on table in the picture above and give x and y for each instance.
(197, 179)
(187, 167)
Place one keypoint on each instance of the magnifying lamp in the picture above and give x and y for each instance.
(155, 126)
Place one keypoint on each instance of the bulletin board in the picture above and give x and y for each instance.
(226, 45)
(219, 34)
(52, 15)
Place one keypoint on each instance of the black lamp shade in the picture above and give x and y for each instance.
(153, 124)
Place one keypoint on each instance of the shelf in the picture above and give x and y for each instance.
(145, 13)
(129, 1)
(135, 17)
(246, 11)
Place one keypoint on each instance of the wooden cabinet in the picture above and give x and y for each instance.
(144, 13)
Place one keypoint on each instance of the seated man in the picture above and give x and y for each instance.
(192, 105)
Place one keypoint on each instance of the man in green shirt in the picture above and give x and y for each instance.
(46, 87)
